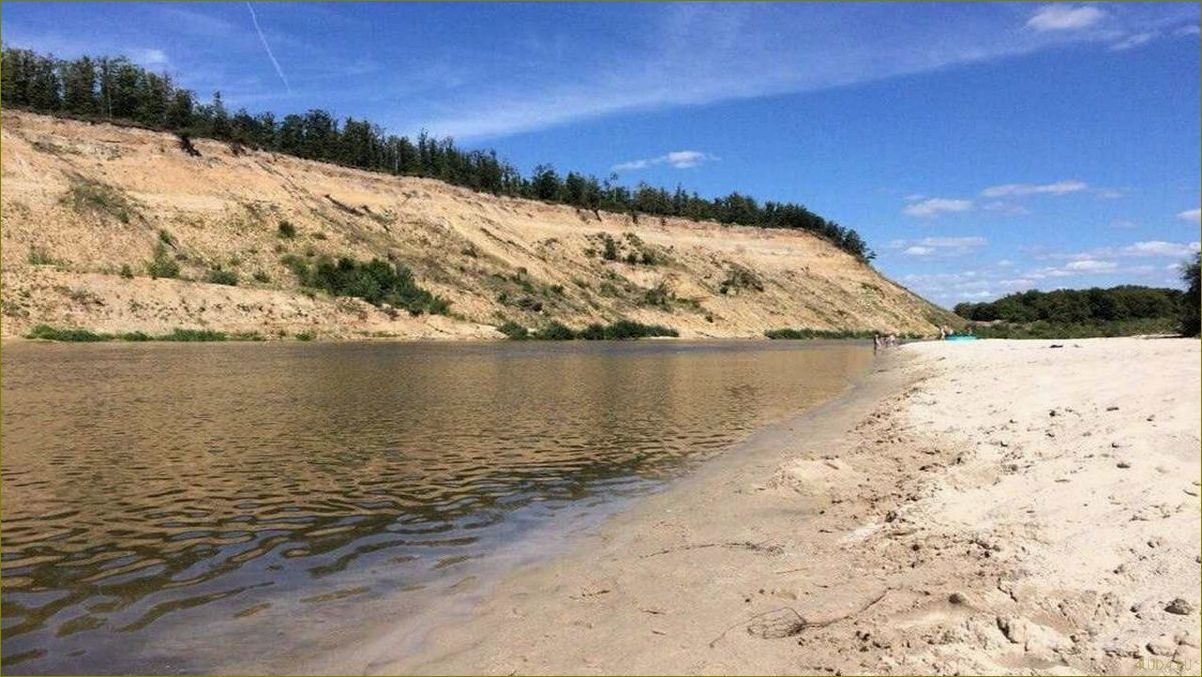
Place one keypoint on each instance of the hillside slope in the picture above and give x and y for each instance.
(81, 201)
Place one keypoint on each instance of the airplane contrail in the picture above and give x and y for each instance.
(278, 70)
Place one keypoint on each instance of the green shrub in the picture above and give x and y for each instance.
(593, 332)
(39, 257)
(261, 276)
(627, 329)
(527, 303)
(377, 282)
(739, 277)
(87, 195)
(126, 271)
(1044, 329)
(219, 276)
(1189, 323)
(48, 333)
(623, 330)
(299, 267)
(555, 331)
(618, 331)
(800, 334)
(166, 238)
(305, 335)
(286, 230)
(659, 296)
(610, 247)
(162, 265)
(514, 331)
(189, 335)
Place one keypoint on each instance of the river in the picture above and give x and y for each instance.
(152, 492)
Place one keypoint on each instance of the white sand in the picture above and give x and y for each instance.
(993, 507)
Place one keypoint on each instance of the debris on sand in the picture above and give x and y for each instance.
(1180, 607)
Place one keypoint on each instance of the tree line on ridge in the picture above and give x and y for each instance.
(118, 90)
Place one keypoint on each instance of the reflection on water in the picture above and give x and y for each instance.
(152, 485)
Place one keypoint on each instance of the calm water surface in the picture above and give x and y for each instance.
(151, 491)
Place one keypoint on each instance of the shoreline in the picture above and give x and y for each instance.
(254, 337)
(937, 518)
(384, 652)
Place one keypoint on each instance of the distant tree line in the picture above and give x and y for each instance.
(115, 89)
(1127, 302)
(1193, 297)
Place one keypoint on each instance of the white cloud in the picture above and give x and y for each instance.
(1090, 266)
(1148, 248)
(1160, 248)
(937, 205)
(982, 294)
(1064, 17)
(1191, 215)
(149, 57)
(1133, 40)
(939, 246)
(1192, 29)
(956, 242)
(949, 288)
(750, 51)
(1002, 207)
(1005, 263)
(680, 159)
(1057, 188)
(1017, 283)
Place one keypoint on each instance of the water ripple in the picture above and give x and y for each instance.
(143, 483)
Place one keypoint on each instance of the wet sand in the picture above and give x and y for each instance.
(991, 507)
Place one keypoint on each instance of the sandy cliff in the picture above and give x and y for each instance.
(81, 201)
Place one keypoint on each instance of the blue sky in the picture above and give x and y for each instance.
(980, 148)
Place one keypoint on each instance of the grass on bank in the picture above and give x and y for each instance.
(806, 334)
(48, 333)
(90, 196)
(622, 330)
(1043, 329)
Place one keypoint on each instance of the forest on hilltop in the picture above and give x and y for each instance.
(117, 90)
(1124, 302)
(1079, 313)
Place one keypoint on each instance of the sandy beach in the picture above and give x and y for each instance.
(1011, 507)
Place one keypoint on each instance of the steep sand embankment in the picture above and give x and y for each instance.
(1002, 507)
(80, 201)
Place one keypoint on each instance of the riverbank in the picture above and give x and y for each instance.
(994, 507)
(119, 230)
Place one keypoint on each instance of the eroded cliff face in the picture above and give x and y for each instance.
(86, 205)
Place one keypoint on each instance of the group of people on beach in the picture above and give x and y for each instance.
(944, 332)
(880, 342)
